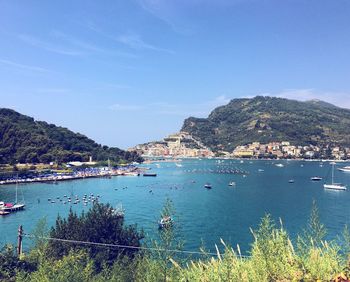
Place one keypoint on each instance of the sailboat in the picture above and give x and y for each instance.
(18, 206)
(334, 186)
(8, 207)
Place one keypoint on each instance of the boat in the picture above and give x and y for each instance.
(178, 165)
(334, 186)
(345, 169)
(207, 185)
(316, 178)
(9, 207)
(119, 211)
(260, 170)
(279, 165)
(150, 174)
(165, 222)
(291, 181)
(4, 212)
(232, 183)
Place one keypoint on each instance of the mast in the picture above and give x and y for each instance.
(16, 189)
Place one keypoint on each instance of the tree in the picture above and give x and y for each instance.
(99, 225)
(10, 264)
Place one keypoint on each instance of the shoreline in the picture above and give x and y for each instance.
(54, 179)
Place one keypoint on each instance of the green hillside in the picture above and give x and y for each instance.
(24, 140)
(266, 119)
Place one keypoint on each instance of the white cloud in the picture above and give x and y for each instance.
(31, 40)
(53, 90)
(119, 107)
(183, 110)
(87, 46)
(134, 41)
(340, 99)
(23, 66)
(169, 13)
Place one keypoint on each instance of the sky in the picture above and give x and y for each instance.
(125, 72)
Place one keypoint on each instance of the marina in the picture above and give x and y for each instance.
(54, 177)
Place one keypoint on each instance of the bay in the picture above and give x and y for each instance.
(202, 215)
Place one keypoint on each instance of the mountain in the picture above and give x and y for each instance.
(24, 140)
(266, 119)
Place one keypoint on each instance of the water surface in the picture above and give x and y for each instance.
(222, 212)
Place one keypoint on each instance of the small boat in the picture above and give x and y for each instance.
(165, 222)
(291, 181)
(345, 169)
(316, 178)
(4, 212)
(150, 174)
(279, 165)
(232, 183)
(178, 165)
(260, 170)
(207, 185)
(334, 186)
(119, 211)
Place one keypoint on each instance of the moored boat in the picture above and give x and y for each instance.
(345, 169)
(316, 178)
(207, 185)
(165, 222)
(4, 212)
(150, 174)
(334, 186)
(119, 211)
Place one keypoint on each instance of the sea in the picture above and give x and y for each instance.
(202, 216)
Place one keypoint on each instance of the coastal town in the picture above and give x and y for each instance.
(184, 145)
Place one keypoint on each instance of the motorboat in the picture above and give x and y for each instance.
(316, 178)
(345, 169)
(165, 222)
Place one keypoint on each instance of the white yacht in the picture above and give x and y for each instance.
(334, 186)
(345, 169)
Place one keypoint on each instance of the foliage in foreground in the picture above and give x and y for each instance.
(273, 257)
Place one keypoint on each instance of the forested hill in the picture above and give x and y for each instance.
(24, 140)
(266, 119)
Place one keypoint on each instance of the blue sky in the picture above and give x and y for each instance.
(127, 72)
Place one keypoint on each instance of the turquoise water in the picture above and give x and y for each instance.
(222, 212)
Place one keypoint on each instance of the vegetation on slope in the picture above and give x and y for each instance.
(266, 119)
(24, 140)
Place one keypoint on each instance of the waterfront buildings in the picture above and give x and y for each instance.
(179, 144)
(182, 144)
